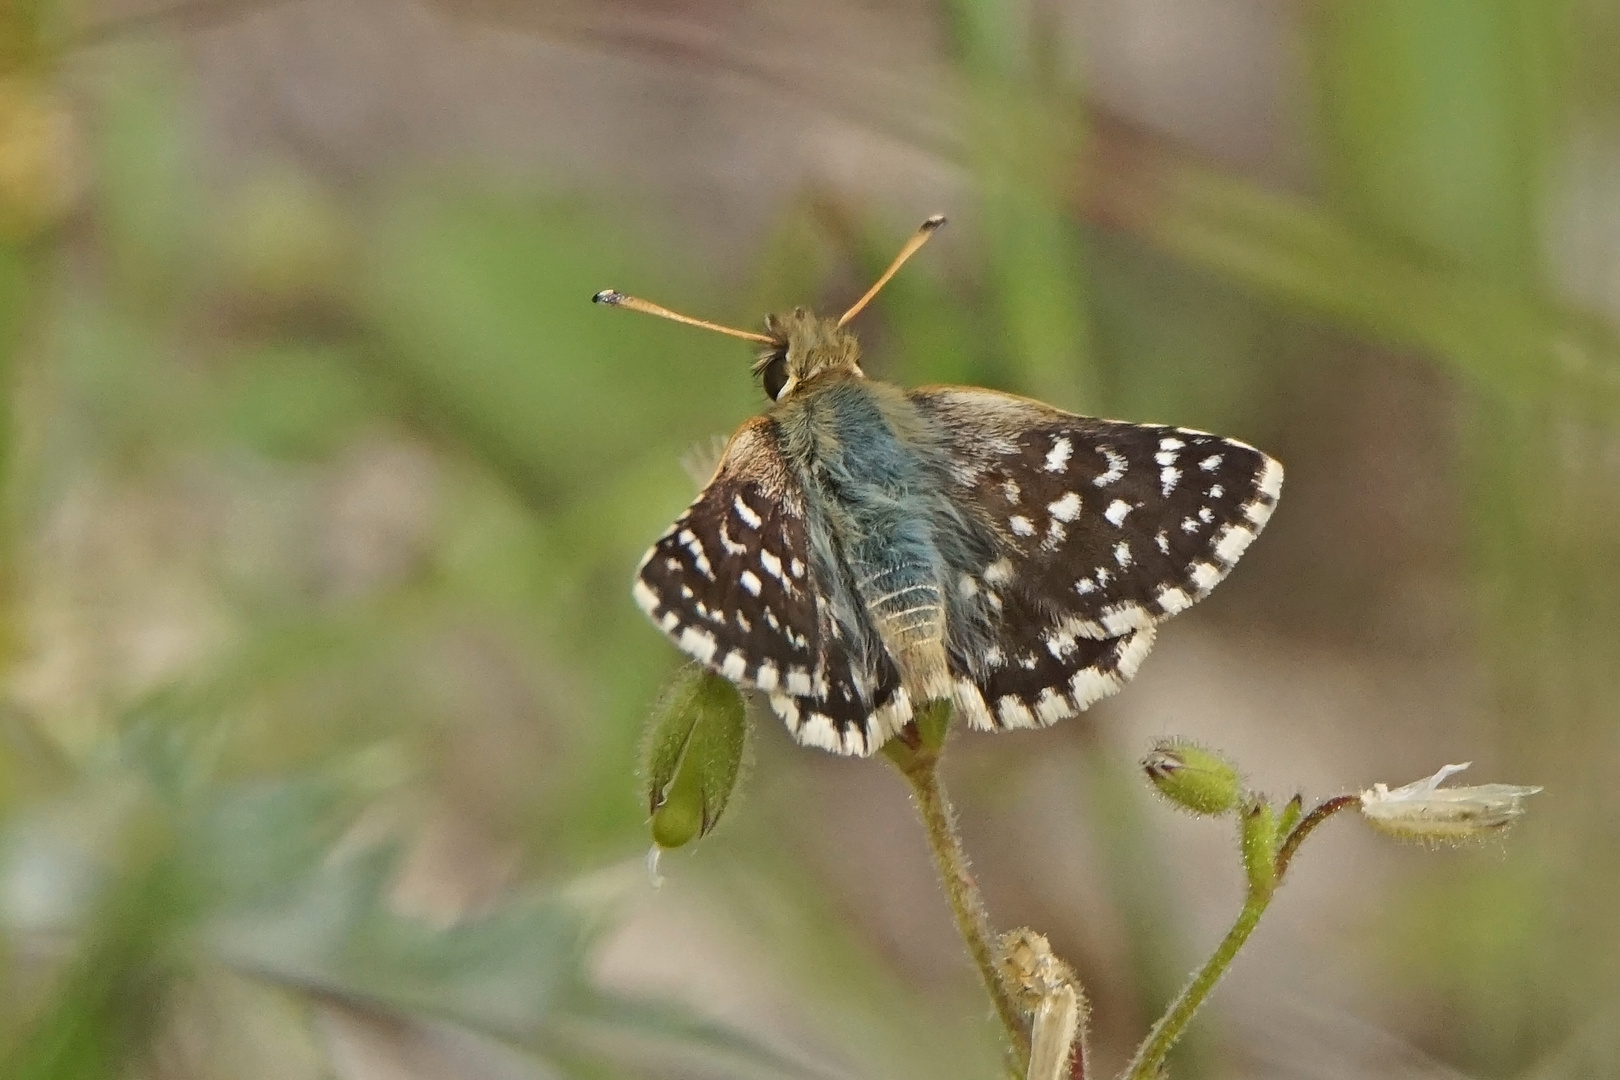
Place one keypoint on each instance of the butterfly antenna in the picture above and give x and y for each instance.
(918, 239)
(614, 298)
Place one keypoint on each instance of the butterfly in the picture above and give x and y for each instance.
(864, 549)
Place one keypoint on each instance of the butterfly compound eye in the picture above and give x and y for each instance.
(773, 376)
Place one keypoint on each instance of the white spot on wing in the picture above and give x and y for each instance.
(1168, 477)
(1059, 643)
(998, 572)
(818, 730)
(767, 676)
(750, 581)
(788, 710)
(1271, 479)
(970, 703)
(798, 682)
(1066, 508)
(1233, 539)
(1121, 619)
(1211, 463)
(1090, 685)
(772, 565)
(1116, 466)
(1122, 554)
(1052, 707)
(1206, 576)
(1058, 457)
(699, 644)
(645, 598)
(1014, 713)
(1173, 600)
(733, 666)
(1133, 650)
(746, 512)
(891, 717)
(1116, 512)
(700, 558)
(1021, 525)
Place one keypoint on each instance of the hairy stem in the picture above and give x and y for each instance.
(1285, 853)
(1149, 1059)
(967, 905)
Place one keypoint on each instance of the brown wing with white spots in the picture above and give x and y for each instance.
(731, 584)
(1103, 529)
(1113, 525)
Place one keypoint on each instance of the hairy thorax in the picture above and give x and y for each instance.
(864, 461)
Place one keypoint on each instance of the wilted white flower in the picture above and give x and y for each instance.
(1426, 811)
(1048, 989)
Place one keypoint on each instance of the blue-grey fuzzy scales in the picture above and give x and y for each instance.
(863, 549)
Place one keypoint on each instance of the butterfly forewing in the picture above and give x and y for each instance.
(731, 583)
(1105, 527)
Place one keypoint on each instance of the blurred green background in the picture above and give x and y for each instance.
(323, 483)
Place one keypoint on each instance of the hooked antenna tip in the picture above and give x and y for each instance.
(933, 223)
(608, 296)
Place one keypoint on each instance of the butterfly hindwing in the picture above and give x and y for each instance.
(1102, 530)
(1106, 527)
(731, 583)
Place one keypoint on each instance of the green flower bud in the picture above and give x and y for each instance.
(1260, 845)
(692, 755)
(1190, 776)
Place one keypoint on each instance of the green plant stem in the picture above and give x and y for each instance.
(1149, 1059)
(967, 905)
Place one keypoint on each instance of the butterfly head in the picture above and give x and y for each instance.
(803, 346)
(799, 345)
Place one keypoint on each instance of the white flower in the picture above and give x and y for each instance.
(1426, 811)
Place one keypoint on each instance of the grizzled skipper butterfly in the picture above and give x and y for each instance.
(864, 549)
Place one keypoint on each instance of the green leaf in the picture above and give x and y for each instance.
(334, 934)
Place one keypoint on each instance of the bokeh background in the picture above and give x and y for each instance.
(323, 483)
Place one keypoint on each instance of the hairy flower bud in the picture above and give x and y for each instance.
(692, 755)
(1259, 839)
(1425, 811)
(1190, 776)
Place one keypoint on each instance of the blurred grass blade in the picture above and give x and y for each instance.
(659, 1035)
(1512, 343)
